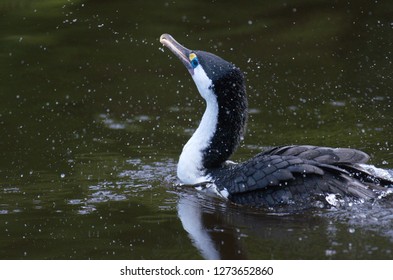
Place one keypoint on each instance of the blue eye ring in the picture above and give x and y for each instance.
(194, 62)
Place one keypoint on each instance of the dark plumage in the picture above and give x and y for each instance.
(299, 177)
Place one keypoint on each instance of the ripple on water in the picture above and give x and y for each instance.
(115, 124)
(135, 181)
(87, 209)
(376, 216)
(11, 190)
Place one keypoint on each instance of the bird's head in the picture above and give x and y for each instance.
(211, 73)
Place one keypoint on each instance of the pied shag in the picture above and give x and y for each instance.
(297, 176)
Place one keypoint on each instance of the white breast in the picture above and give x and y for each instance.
(190, 168)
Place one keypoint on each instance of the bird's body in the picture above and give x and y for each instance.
(298, 176)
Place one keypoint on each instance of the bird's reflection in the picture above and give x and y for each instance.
(190, 214)
(206, 227)
(221, 230)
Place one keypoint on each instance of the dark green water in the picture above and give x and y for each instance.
(94, 113)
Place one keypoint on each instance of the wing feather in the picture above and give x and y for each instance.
(325, 155)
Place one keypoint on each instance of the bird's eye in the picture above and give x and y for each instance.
(194, 60)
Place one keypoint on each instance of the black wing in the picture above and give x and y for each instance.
(272, 178)
(320, 154)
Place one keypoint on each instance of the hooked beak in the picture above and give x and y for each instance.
(180, 51)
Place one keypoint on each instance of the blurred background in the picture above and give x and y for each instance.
(94, 113)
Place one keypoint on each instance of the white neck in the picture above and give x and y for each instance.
(190, 168)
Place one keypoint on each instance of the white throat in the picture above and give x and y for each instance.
(190, 168)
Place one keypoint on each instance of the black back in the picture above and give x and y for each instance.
(299, 177)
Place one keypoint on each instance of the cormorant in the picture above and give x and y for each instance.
(296, 176)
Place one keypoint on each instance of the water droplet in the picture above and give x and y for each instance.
(330, 252)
